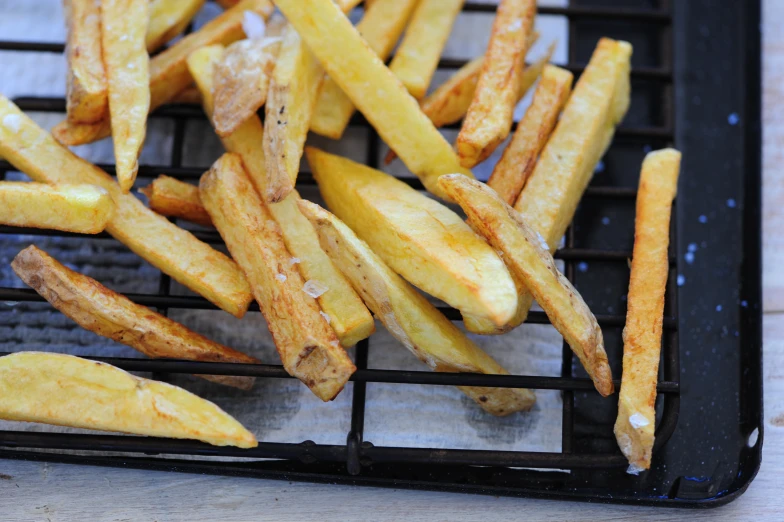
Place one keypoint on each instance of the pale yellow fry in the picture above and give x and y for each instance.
(164, 245)
(348, 316)
(381, 28)
(307, 345)
(123, 30)
(104, 312)
(169, 18)
(169, 74)
(634, 428)
(64, 390)
(410, 318)
(597, 104)
(417, 56)
(418, 237)
(86, 95)
(519, 159)
(241, 82)
(489, 118)
(174, 198)
(83, 209)
(376, 92)
(526, 254)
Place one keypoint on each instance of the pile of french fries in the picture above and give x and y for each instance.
(321, 276)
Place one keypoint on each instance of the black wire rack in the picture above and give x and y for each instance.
(361, 462)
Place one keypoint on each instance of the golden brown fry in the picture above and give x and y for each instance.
(227, 4)
(109, 314)
(489, 118)
(308, 347)
(519, 158)
(410, 318)
(597, 104)
(169, 18)
(123, 29)
(241, 80)
(373, 89)
(84, 209)
(634, 428)
(247, 139)
(417, 56)
(164, 245)
(418, 237)
(190, 95)
(64, 390)
(527, 255)
(381, 28)
(174, 198)
(86, 94)
(169, 74)
(449, 102)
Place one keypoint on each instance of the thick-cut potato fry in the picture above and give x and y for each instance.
(489, 118)
(634, 428)
(164, 245)
(381, 28)
(86, 95)
(174, 198)
(104, 312)
(241, 80)
(449, 102)
(123, 29)
(84, 209)
(307, 345)
(169, 74)
(418, 237)
(417, 56)
(519, 158)
(376, 92)
(190, 95)
(410, 318)
(247, 139)
(169, 18)
(227, 4)
(597, 104)
(64, 390)
(527, 255)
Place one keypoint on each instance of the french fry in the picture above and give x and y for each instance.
(247, 139)
(527, 255)
(419, 238)
(489, 117)
(293, 92)
(450, 101)
(410, 318)
(381, 28)
(190, 95)
(169, 74)
(519, 159)
(227, 4)
(169, 18)
(597, 104)
(373, 89)
(241, 80)
(634, 428)
(348, 316)
(307, 345)
(86, 95)
(164, 245)
(123, 29)
(417, 56)
(174, 198)
(83, 209)
(109, 314)
(64, 390)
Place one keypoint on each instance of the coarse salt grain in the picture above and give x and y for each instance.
(253, 25)
(638, 420)
(325, 316)
(634, 469)
(294, 261)
(542, 242)
(334, 343)
(314, 288)
(12, 122)
(281, 277)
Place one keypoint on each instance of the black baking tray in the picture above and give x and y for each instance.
(696, 85)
